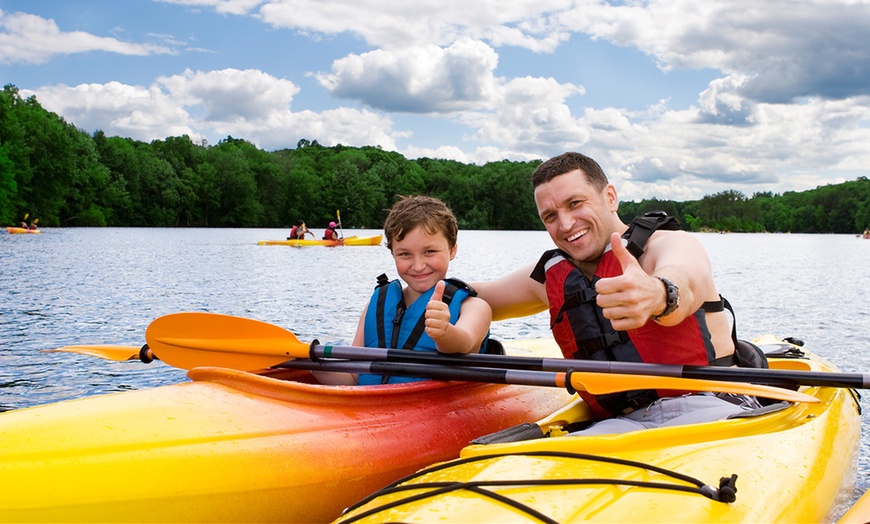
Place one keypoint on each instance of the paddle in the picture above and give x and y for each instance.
(280, 344)
(338, 216)
(595, 383)
(108, 352)
(188, 340)
(207, 354)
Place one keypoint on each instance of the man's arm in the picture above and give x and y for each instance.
(513, 295)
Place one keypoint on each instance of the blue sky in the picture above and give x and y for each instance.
(675, 99)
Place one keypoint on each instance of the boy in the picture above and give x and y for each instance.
(421, 235)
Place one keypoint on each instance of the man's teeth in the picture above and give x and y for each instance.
(577, 235)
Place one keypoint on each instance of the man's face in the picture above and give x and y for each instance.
(578, 217)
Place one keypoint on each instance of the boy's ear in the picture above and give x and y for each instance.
(453, 251)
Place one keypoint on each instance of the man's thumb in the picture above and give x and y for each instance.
(625, 258)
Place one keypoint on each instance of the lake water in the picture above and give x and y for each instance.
(104, 286)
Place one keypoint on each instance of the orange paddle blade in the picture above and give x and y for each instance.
(189, 340)
(604, 383)
(108, 352)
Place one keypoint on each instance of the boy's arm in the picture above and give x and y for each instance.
(467, 334)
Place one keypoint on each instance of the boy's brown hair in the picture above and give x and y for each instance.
(410, 212)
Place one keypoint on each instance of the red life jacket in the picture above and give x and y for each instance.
(329, 234)
(583, 332)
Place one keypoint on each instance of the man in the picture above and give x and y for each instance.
(659, 305)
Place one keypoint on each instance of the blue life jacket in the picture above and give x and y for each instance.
(390, 323)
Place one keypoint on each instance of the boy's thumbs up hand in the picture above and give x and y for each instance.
(437, 313)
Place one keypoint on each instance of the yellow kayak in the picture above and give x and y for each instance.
(859, 513)
(233, 446)
(349, 241)
(22, 231)
(788, 463)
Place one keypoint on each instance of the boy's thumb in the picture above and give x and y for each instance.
(439, 291)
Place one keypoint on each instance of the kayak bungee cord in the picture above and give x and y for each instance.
(725, 493)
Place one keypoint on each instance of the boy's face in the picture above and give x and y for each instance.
(422, 259)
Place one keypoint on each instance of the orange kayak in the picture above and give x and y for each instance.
(232, 446)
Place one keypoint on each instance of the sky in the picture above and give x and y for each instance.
(675, 99)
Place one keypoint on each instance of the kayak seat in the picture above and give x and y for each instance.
(518, 433)
(764, 410)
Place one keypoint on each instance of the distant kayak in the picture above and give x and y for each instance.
(349, 241)
(22, 231)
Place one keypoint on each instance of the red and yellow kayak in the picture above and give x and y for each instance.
(349, 241)
(789, 463)
(22, 231)
(232, 446)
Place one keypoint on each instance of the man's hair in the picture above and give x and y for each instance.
(410, 212)
(567, 162)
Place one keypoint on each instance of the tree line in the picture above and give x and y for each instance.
(67, 177)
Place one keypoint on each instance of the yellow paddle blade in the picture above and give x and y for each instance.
(604, 383)
(189, 340)
(108, 352)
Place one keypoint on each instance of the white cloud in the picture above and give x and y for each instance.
(143, 113)
(27, 38)
(396, 24)
(230, 7)
(785, 49)
(247, 104)
(417, 79)
(231, 95)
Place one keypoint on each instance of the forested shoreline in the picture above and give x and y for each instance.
(66, 177)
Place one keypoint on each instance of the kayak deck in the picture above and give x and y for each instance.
(232, 446)
(349, 241)
(791, 465)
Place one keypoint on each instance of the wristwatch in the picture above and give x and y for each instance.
(673, 298)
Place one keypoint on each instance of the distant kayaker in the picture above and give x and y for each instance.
(421, 235)
(298, 231)
(330, 233)
(652, 301)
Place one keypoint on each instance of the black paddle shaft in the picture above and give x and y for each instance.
(771, 377)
